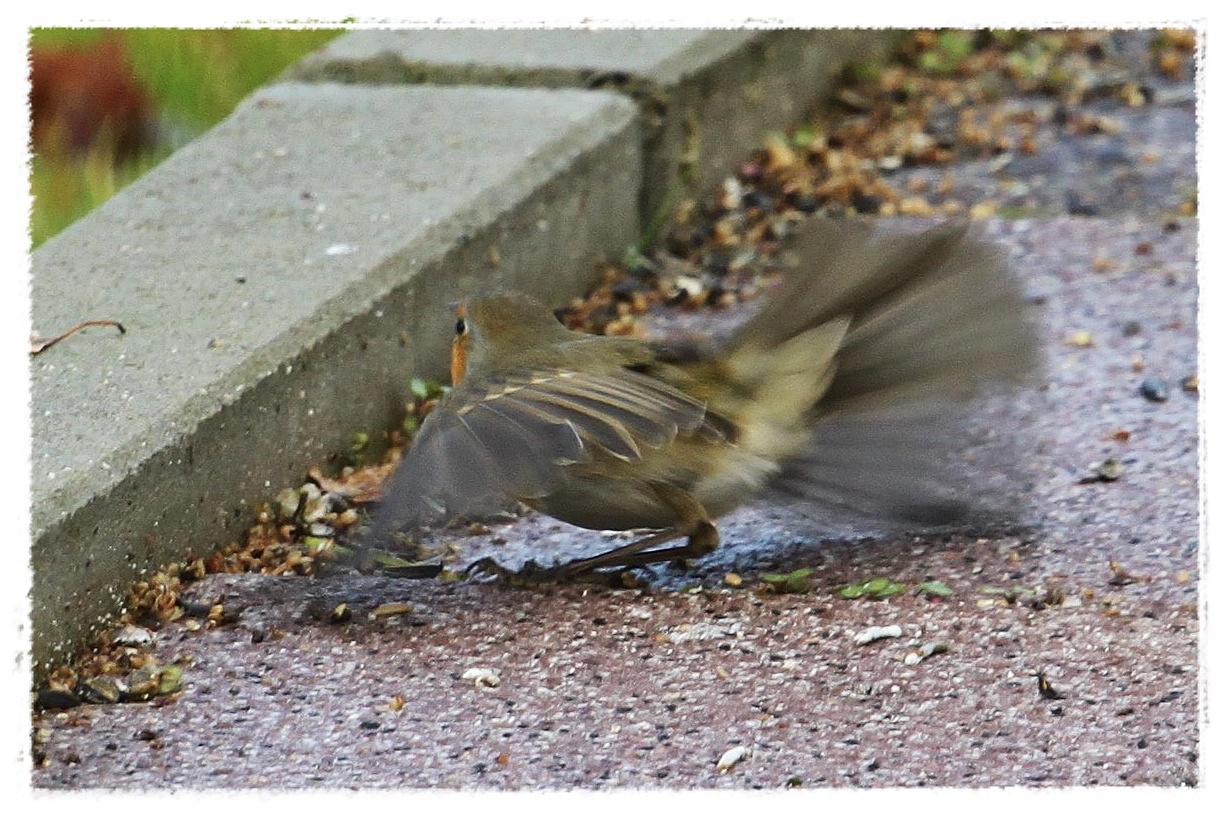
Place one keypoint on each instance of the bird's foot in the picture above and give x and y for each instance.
(532, 574)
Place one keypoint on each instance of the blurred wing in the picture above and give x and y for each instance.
(515, 435)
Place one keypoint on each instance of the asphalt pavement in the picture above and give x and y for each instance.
(1062, 650)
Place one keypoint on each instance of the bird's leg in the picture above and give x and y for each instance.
(701, 540)
(633, 554)
(694, 524)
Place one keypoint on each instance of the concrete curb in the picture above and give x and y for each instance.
(281, 276)
(706, 97)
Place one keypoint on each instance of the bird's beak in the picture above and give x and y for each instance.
(461, 346)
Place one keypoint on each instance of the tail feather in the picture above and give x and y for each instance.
(950, 330)
(935, 320)
(847, 268)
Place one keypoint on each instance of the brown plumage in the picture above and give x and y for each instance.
(840, 391)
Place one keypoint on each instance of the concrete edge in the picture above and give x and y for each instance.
(696, 124)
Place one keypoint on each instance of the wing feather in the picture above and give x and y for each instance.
(516, 436)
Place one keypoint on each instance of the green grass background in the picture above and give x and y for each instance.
(196, 78)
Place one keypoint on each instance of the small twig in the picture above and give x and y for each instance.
(38, 345)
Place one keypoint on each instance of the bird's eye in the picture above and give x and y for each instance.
(461, 327)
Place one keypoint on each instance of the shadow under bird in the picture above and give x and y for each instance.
(843, 391)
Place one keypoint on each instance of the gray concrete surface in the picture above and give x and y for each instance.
(278, 279)
(706, 96)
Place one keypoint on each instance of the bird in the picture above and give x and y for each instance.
(842, 392)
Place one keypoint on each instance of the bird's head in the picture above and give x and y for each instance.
(497, 329)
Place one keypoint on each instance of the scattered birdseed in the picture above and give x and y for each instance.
(131, 635)
(1122, 577)
(874, 633)
(100, 691)
(1046, 690)
(924, 651)
(388, 610)
(1110, 469)
(482, 677)
(733, 757)
(1080, 338)
(1154, 389)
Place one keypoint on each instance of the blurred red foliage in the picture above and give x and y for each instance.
(85, 99)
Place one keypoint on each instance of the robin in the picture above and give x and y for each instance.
(840, 391)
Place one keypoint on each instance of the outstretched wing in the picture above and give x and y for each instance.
(515, 436)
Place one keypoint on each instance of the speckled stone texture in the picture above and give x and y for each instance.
(601, 688)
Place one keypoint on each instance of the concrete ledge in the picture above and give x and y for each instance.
(280, 278)
(706, 97)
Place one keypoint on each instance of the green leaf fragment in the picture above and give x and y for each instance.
(631, 258)
(877, 588)
(418, 388)
(867, 70)
(794, 582)
(169, 677)
(317, 544)
(957, 44)
(935, 587)
(1014, 594)
(388, 561)
(425, 388)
